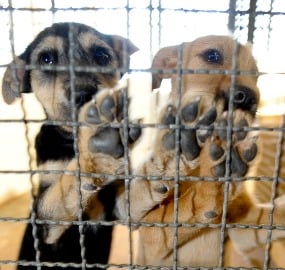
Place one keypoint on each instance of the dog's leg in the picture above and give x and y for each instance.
(101, 152)
(247, 240)
(201, 148)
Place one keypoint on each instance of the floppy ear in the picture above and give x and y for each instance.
(123, 49)
(165, 58)
(15, 80)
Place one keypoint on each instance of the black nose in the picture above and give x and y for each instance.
(244, 98)
(83, 95)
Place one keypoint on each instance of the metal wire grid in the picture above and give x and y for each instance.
(236, 13)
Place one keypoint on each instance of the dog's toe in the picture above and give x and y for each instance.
(190, 112)
(206, 124)
(92, 115)
(216, 152)
(107, 108)
(189, 144)
(250, 153)
(238, 166)
(241, 134)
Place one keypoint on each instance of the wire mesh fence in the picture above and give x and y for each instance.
(74, 231)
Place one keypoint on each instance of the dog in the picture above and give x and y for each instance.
(204, 101)
(59, 90)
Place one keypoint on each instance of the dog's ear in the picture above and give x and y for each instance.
(165, 58)
(123, 49)
(15, 80)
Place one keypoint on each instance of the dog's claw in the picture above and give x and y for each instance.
(89, 187)
(107, 141)
(134, 134)
(169, 117)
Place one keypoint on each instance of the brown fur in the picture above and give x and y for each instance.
(201, 246)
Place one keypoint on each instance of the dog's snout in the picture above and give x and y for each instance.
(84, 94)
(244, 98)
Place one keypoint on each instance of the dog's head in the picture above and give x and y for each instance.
(57, 62)
(209, 62)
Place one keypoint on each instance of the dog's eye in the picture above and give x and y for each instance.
(213, 56)
(48, 58)
(101, 56)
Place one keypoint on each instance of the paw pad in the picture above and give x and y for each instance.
(107, 108)
(108, 140)
(92, 115)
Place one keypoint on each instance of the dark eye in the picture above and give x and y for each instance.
(101, 56)
(48, 58)
(213, 56)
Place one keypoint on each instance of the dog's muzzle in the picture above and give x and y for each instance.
(84, 94)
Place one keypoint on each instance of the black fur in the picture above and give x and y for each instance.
(53, 143)
(67, 250)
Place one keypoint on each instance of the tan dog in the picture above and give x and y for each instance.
(204, 102)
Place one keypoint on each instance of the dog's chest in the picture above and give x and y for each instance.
(54, 144)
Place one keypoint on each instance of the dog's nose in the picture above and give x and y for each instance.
(244, 98)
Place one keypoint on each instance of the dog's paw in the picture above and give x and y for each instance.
(241, 151)
(108, 108)
(204, 126)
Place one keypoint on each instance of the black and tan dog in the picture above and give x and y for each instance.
(49, 57)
